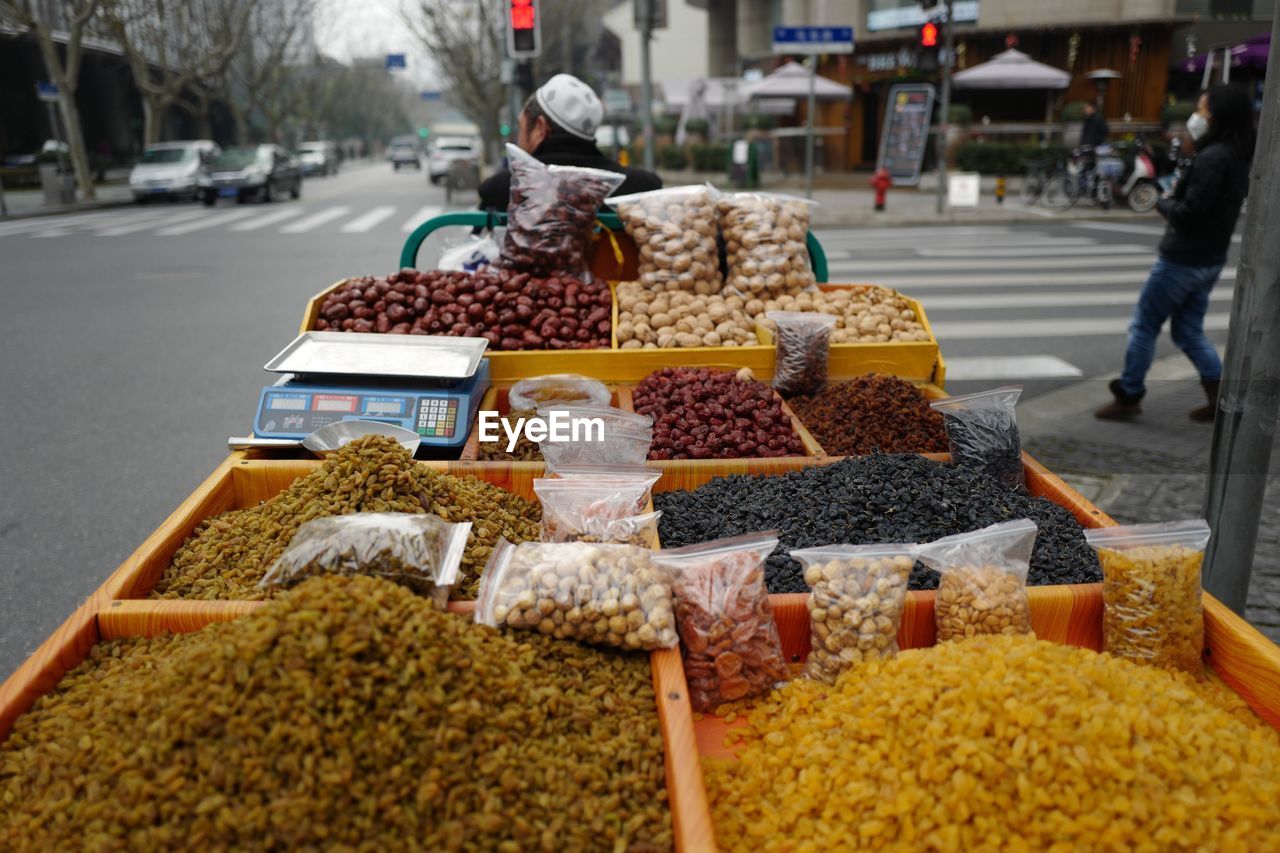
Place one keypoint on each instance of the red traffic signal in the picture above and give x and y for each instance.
(929, 35)
(524, 25)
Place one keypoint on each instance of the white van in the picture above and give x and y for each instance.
(171, 169)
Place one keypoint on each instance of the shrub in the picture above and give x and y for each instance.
(697, 125)
(1074, 111)
(1003, 158)
(959, 114)
(672, 157)
(1177, 111)
(665, 125)
(710, 157)
(760, 121)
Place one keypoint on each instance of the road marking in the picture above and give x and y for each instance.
(269, 219)
(942, 281)
(152, 218)
(428, 212)
(1155, 230)
(1021, 252)
(37, 223)
(212, 221)
(150, 223)
(946, 246)
(1070, 299)
(1010, 367)
(991, 265)
(1062, 327)
(315, 220)
(361, 224)
(826, 234)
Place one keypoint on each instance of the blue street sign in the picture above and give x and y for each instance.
(395, 60)
(431, 96)
(813, 39)
(46, 92)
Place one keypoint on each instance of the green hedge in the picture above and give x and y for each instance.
(697, 125)
(666, 124)
(1073, 111)
(672, 157)
(20, 176)
(961, 114)
(1003, 158)
(710, 157)
(1177, 111)
(760, 121)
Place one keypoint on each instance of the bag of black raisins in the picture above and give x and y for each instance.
(982, 430)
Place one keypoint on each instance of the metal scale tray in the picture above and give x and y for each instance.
(360, 354)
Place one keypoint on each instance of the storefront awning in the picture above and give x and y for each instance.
(1251, 53)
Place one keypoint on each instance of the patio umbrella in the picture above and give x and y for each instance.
(694, 108)
(792, 81)
(1013, 69)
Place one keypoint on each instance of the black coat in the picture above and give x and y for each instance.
(1205, 205)
(1094, 130)
(564, 150)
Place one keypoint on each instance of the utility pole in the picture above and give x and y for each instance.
(940, 141)
(644, 12)
(808, 136)
(1245, 425)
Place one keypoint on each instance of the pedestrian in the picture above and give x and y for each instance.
(558, 126)
(1202, 213)
(1095, 129)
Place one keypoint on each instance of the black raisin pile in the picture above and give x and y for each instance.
(870, 499)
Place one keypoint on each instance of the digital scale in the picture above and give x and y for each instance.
(429, 385)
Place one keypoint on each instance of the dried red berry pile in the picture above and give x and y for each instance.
(872, 413)
(514, 311)
(700, 413)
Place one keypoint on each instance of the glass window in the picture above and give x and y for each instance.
(167, 155)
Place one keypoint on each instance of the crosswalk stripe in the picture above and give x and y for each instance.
(361, 224)
(1024, 252)
(1069, 299)
(854, 251)
(66, 229)
(269, 219)
(38, 223)
(911, 231)
(150, 222)
(1155, 230)
(315, 220)
(1061, 327)
(428, 212)
(212, 221)
(964, 368)
(942, 281)
(1030, 265)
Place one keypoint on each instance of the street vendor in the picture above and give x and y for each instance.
(558, 126)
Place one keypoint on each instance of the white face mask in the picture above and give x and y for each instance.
(1197, 125)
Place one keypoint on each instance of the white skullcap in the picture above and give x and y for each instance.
(571, 105)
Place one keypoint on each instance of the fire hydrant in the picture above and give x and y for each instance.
(1000, 189)
(880, 182)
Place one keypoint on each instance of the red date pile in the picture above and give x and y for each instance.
(513, 311)
(699, 413)
(870, 414)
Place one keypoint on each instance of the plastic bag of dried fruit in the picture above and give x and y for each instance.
(731, 645)
(640, 530)
(857, 593)
(1152, 606)
(674, 230)
(765, 243)
(551, 215)
(803, 344)
(983, 584)
(422, 552)
(610, 595)
(558, 388)
(594, 435)
(568, 502)
(982, 430)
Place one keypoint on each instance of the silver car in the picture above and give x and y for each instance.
(171, 170)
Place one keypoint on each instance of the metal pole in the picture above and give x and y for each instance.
(808, 132)
(1245, 426)
(646, 80)
(940, 141)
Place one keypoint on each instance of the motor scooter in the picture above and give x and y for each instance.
(1138, 185)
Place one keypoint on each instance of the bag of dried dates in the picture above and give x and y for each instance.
(730, 641)
(550, 216)
(803, 344)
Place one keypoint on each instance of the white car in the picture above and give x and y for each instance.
(318, 158)
(171, 169)
(445, 150)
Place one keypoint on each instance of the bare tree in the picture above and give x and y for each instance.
(63, 69)
(263, 78)
(172, 44)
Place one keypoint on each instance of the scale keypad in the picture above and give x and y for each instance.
(437, 418)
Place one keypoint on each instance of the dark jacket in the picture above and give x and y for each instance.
(564, 150)
(1205, 205)
(1094, 130)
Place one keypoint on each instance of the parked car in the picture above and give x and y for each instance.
(264, 171)
(318, 158)
(612, 138)
(172, 169)
(403, 151)
(445, 150)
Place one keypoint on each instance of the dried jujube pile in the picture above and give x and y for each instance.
(872, 414)
(998, 743)
(346, 714)
(871, 499)
(228, 554)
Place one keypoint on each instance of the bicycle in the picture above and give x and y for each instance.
(1086, 178)
(1048, 182)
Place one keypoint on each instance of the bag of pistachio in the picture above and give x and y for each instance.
(983, 588)
(1152, 605)
(609, 595)
(422, 552)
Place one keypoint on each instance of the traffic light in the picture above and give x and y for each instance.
(929, 35)
(424, 132)
(524, 29)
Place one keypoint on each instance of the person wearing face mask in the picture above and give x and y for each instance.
(558, 126)
(1201, 213)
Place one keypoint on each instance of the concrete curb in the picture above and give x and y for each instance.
(79, 207)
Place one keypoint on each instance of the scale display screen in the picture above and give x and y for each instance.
(335, 404)
(383, 407)
(289, 404)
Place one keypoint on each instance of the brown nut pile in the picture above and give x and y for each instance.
(1153, 609)
(346, 714)
(675, 236)
(228, 554)
(764, 241)
(659, 319)
(872, 414)
(526, 450)
(981, 599)
(606, 594)
(864, 313)
(855, 608)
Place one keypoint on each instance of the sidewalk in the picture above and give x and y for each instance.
(1151, 469)
(23, 204)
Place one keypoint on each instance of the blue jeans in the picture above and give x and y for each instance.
(1179, 292)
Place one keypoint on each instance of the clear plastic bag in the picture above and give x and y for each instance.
(857, 593)
(732, 649)
(1152, 602)
(640, 530)
(422, 552)
(551, 216)
(674, 230)
(558, 388)
(982, 430)
(765, 243)
(803, 343)
(610, 595)
(605, 436)
(567, 503)
(472, 254)
(983, 588)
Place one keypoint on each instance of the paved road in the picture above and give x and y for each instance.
(134, 341)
